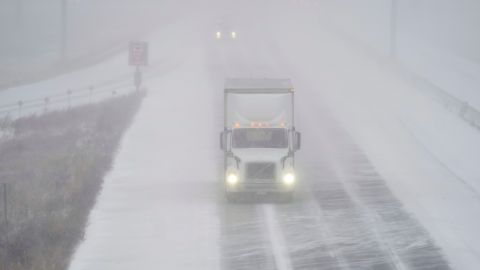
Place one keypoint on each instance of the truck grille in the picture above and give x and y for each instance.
(261, 171)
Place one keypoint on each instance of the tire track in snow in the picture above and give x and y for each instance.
(279, 247)
(401, 232)
(352, 237)
(398, 234)
(244, 243)
(307, 236)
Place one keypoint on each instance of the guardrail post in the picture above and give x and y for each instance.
(5, 120)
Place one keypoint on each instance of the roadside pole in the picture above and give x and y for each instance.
(138, 57)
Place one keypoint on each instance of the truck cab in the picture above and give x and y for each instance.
(259, 139)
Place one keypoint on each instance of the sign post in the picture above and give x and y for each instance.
(138, 57)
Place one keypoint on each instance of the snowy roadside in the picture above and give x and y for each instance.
(158, 205)
(448, 79)
(455, 75)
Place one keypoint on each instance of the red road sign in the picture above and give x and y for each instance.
(138, 55)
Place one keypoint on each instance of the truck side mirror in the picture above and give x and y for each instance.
(297, 140)
(222, 140)
(225, 140)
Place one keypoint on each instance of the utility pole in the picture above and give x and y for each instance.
(64, 29)
(393, 28)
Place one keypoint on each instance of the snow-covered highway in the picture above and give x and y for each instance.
(376, 191)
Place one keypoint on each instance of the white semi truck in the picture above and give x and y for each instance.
(259, 139)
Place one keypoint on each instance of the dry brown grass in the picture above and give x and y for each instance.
(55, 165)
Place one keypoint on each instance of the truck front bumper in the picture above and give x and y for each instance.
(260, 188)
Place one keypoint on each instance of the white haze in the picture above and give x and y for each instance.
(161, 206)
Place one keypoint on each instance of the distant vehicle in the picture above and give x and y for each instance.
(259, 138)
(225, 32)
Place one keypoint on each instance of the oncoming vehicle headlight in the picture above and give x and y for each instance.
(233, 35)
(218, 35)
(232, 179)
(289, 179)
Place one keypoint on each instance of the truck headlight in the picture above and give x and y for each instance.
(232, 179)
(289, 179)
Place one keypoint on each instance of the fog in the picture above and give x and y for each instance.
(386, 101)
(44, 38)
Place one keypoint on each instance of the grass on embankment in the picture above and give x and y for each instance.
(54, 165)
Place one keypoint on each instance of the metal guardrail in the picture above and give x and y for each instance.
(461, 108)
(67, 99)
(114, 86)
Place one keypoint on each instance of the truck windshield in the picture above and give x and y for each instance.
(259, 138)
